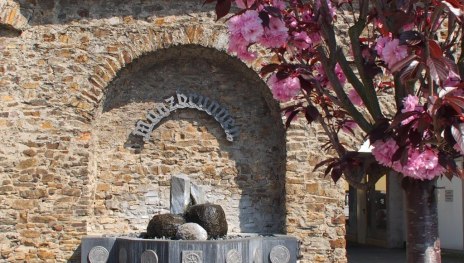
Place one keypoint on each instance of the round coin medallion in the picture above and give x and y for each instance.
(233, 256)
(149, 256)
(98, 254)
(280, 254)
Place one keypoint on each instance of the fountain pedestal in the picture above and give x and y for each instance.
(248, 249)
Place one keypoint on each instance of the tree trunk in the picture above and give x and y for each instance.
(423, 244)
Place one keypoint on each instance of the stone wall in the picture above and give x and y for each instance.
(246, 177)
(76, 78)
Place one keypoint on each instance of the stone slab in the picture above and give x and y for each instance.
(180, 193)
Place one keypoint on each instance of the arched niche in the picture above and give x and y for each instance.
(132, 177)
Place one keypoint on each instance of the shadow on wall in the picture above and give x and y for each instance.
(247, 177)
(40, 12)
(76, 256)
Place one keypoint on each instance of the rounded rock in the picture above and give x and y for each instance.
(164, 225)
(211, 217)
(191, 231)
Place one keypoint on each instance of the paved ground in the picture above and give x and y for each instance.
(369, 254)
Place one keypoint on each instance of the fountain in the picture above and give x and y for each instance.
(194, 232)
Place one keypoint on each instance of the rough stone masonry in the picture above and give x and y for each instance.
(75, 76)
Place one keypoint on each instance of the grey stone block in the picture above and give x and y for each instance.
(198, 194)
(180, 193)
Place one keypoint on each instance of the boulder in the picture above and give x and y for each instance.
(164, 225)
(211, 217)
(191, 231)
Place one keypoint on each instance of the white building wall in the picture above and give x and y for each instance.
(451, 213)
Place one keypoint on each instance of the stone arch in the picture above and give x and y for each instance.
(105, 67)
(246, 177)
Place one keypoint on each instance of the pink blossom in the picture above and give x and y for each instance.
(244, 3)
(383, 151)
(301, 40)
(349, 126)
(284, 89)
(341, 76)
(238, 45)
(410, 103)
(279, 4)
(252, 28)
(380, 44)
(244, 29)
(393, 52)
(422, 165)
(307, 16)
(276, 35)
(355, 98)
(322, 78)
(293, 23)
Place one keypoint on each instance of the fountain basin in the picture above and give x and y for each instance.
(247, 249)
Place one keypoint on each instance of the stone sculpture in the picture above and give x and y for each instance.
(211, 217)
(191, 231)
(164, 225)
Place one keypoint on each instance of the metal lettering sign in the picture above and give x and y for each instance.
(192, 101)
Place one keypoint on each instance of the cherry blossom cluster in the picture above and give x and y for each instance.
(420, 164)
(247, 29)
(392, 50)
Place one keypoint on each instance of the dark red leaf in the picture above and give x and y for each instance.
(329, 168)
(372, 70)
(282, 75)
(268, 69)
(320, 164)
(401, 154)
(458, 101)
(435, 49)
(414, 137)
(401, 117)
(290, 118)
(265, 18)
(410, 38)
(222, 8)
(273, 11)
(457, 130)
(403, 63)
(336, 174)
(423, 124)
(411, 72)
(311, 113)
(456, 107)
(306, 84)
(437, 68)
(455, 7)
(379, 130)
